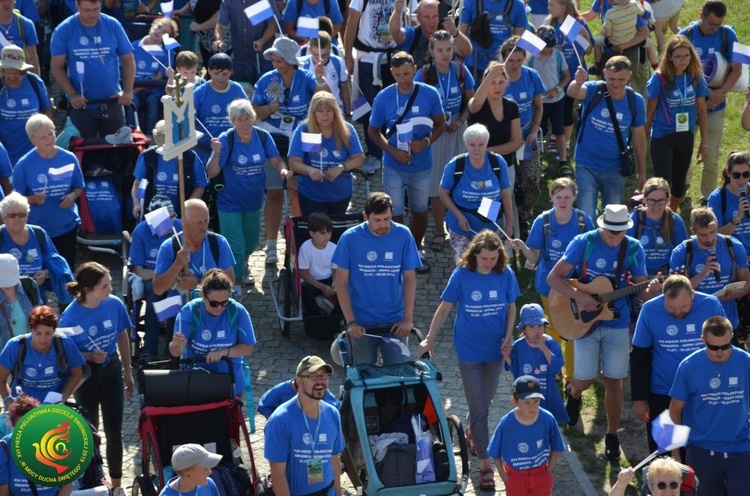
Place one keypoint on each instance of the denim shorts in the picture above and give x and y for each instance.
(591, 182)
(365, 349)
(613, 345)
(396, 183)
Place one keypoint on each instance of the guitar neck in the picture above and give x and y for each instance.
(620, 293)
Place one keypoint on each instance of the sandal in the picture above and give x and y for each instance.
(487, 479)
(470, 441)
(435, 245)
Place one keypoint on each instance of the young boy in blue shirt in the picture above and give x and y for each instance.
(527, 442)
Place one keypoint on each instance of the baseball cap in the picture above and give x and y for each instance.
(9, 273)
(312, 363)
(192, 455)
(526, 387)
(547, 34)
(220, 61)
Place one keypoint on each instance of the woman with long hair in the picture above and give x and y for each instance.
(677, 95)
(325, 182)
(729, 201)
(483, 277)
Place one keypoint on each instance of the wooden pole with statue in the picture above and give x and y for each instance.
(179, 127)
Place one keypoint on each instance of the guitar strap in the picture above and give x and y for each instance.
(620, 262)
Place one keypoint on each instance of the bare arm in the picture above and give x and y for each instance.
(651, 105)
(745, 117)
(342, 292)
(675, 410)
(72, 383)
(4, 386)
(352, 24)
(394, 23)
(640, 36)
(57, 68)
(438, 319)
(336, 465)
(638, 137)
(123, 346)
(32, 57)
(280, 484)
(576, 89)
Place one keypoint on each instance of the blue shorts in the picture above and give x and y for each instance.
(614, 347)
(396, 183)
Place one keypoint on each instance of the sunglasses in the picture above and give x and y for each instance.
(18, 215)
(441, 36)
(215, 304)
(723, 347)
(672, 485)
(737, 175)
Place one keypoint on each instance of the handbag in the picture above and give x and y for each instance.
(627, 154)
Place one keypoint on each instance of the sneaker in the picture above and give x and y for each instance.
(424, 268)
(123, 136)
(552, 145)
(573, 407)
(565, 169)
(612, 447)
(272, 256)
(248, 279)
(146, 357)
(372, 164)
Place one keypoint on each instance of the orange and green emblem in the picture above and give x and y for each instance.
(52, 445)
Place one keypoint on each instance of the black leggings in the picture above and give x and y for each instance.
(66, 247)
(671, 156)
(105, 388)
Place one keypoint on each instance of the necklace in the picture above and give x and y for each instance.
(35, 356)
(719, 371)
(7, 30)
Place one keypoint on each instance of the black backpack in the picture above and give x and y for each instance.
(213, 242)
(459, 170)
(62, 362)
(580, 216)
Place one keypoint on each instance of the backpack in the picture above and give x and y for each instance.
(688, 33)
(601, 87)
(580, 216)
(213, 242)
(41, 239)
(479, 31)
(62, 362)
(460, 71)
(219, 179)
(461, 164)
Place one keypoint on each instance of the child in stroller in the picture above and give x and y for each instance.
(193, 464)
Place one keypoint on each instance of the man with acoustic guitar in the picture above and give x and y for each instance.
(602, 258)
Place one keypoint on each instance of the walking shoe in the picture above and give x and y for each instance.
(248, 279)
(272, 257)
(612, 447)
(565, 169)
(123, 136)
(424, 268)
(372, 164)
(573, 407)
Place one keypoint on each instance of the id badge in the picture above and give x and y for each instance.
(314, 471)
(287, 124)
(385, 33)
(682, 122)
(447, 117)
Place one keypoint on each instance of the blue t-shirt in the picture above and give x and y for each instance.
(449, 88)
(216, 333)
(99, 48)
(144, 246)
(602, 262)
(557, 241)
(538, 7)
(709, 284)
(569, 49)
(16, 106)
(283, 392)
(657, 251)
(209, 489)
(167, 178)
(716, 400)
(500, 27)
(598, 149)
(200, 261)
(708, 45)
(671, 339)
(294, 102)
(376, 265)
(732, 206)
(426, 106)
(523, 91)
(101, 325)
(211, 114)
(39, 370)
(244, 171)
(482, 306)
(6, 169)
(473, 185)
(524, 447)
(28, 9)
(679, 99)
(315, 11)
(340, 188)
(149, 63)
(31, 257)
(528, 360)
(18, 484)
(31, 175)
(13, 35)
(288, 440)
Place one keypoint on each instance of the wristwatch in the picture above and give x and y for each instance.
(342, 167)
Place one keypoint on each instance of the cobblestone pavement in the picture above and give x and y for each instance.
(275, 357)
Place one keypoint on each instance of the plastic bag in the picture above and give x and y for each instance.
(425, 466)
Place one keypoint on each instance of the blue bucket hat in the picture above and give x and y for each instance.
(531, 314)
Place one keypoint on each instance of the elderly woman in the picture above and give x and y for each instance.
(240, 155)
(12, 480)
(51, 180)
(664, 478)
(478, 337)
(16, 301)
(163, 175)
(729, 202)
(550, 235)
(466, 180)
(31, 359)
(215, 310)
(107, 325)
(151, 61)
(23, 94)
(325, 183)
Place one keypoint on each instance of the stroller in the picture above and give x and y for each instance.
(287, 292)
(193, 406)
(386, 413)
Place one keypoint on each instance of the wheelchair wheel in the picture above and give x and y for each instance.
(285, 299)
(142, 487)
(458, 443)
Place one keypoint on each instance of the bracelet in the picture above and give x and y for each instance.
(456, 35)
(227, 353)
(538, 123)
(351, 323)
(734, 223)
(429, 141)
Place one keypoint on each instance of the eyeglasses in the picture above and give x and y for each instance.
(215, 304)
(17, 215)
(652, 201)
(316, 377)
(723, 347)
(672, 485)
(737, 175)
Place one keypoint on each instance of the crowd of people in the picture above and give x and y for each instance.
(459, 106)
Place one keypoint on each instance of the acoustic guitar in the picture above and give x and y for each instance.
(572, 322)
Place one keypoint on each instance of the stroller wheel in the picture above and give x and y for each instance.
(458, 443)
(143, 487)
(285, 299)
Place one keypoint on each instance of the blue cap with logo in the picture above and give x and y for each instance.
(526, 387)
